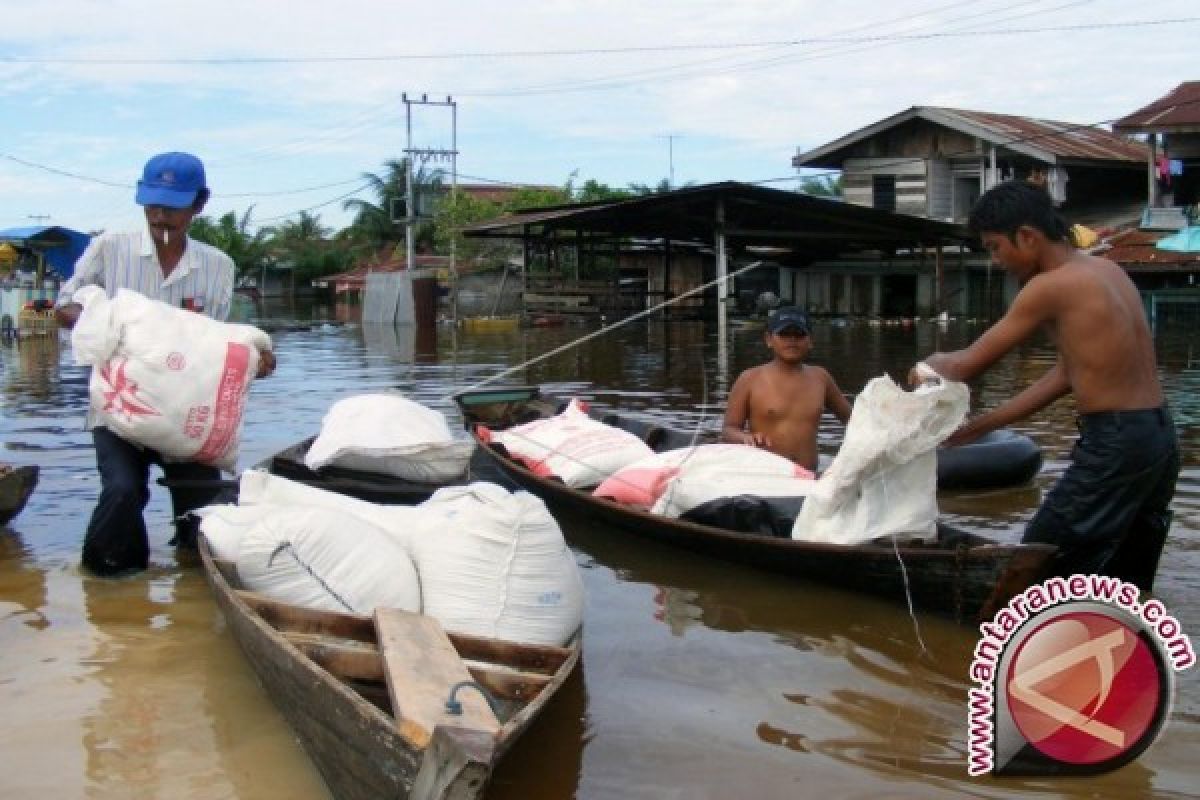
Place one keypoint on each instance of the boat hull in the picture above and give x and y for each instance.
(16, 486)
(343, 721)
(961, 575)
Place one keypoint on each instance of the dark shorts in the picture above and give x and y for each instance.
(1109, 512)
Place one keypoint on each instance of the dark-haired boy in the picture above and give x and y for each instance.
(1108, 513)
(778, 406)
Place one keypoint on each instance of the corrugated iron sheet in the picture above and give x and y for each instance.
(1180, 108)
(1135, 250)
(1063, 139)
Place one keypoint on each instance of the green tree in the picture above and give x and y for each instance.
(821, 185)
(377, 222)
(231, 234)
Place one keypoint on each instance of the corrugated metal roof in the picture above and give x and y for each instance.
(1048, 141)
(1177, 112)
(1135, 250)
(1062, 139)
(752, 214)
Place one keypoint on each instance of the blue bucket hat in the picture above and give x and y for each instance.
(172, 180)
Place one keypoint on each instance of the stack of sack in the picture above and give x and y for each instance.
(570, 446)
(168, 379)
(480, 560)
(388, 434)
(677, 481)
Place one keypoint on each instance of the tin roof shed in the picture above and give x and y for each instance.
(1176, 112)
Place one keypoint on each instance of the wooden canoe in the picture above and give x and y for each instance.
(16, 485)
(371, 698)
(963, 575)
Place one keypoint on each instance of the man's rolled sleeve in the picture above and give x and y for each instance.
(88, 271)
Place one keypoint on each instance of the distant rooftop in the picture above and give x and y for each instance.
(1176, 112)
(1045, 140)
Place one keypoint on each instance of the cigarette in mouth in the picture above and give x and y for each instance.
(166, 238)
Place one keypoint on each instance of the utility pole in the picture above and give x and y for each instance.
(670, 137)
(412, 213)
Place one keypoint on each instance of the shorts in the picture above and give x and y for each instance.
(1109, 512)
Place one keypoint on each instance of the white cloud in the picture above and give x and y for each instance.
(737, 113)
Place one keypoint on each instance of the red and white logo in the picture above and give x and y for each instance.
(1075, 677)
(1084, 688)
(176, 361)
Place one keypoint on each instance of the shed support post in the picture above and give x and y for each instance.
(722, 296)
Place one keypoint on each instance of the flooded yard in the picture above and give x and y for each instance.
(699, 679)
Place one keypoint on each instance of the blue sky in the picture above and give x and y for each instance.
(289, 103)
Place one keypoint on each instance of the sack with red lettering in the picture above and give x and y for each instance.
(170, 380)
(676, 481)
(572, 446)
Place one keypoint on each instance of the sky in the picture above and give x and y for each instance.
(290, 103)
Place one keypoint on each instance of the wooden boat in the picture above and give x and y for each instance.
(16, 485)
(963, 575)
(372, 487)
(390, 705)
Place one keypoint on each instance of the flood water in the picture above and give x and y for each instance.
(699, 679)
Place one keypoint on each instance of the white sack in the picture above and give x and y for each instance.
(495, 564)
(260, 488)
(883, 480)
(389, 434)
(710, 471)
(574, 447)
(318, 558)
(168, 379)
(225, 525)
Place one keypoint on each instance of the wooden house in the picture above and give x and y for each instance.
(1172, 127)
(935, 162)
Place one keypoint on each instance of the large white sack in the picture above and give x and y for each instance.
(168, 379)
(225, 525)
(260, 488)
(883, 480)
(710, 471)
(318, 558)
(572, 446)
(495, 564)
(389, 434)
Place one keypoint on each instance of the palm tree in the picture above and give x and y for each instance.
(232, 235)
(379, 223)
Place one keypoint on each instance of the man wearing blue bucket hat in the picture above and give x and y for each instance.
(163, 263)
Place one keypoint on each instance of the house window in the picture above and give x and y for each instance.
(883, 191)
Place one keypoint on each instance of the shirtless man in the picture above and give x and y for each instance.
(1108, 513)
(783, 401)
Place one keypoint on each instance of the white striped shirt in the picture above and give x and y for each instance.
(202, 279)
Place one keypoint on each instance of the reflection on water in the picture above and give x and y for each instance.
(699, 679)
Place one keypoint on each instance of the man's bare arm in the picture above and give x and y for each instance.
(67, 315)
(1033, 306)
(1039, 394)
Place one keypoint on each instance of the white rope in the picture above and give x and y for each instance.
(604, 330)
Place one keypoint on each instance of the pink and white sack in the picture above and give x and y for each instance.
(167, 379)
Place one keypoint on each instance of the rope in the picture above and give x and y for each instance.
(454, 705)
(606, 329)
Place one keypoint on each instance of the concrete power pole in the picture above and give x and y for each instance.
(412, 214)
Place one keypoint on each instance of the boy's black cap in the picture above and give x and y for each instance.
(787, 317)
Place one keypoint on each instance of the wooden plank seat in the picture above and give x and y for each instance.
(421, 667)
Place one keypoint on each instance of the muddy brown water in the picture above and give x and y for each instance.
(699, 679)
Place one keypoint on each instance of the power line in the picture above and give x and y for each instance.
(465, 55)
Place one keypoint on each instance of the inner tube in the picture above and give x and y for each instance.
(995, 460)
